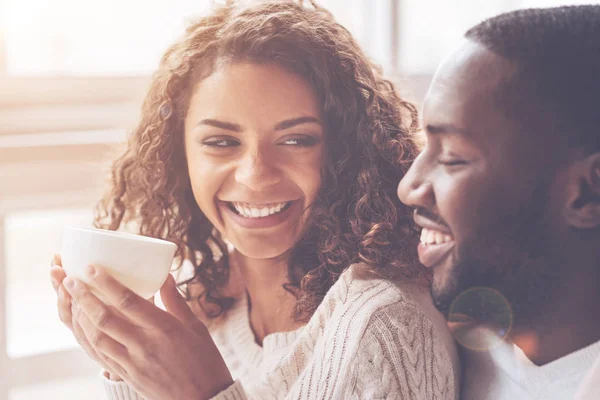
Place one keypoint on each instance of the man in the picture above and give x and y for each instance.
(507, 191)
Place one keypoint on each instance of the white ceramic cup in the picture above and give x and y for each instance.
(140, 263)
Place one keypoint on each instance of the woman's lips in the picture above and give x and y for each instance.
(261, 222)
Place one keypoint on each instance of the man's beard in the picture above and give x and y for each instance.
(511, 256)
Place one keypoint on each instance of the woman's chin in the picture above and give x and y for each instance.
(262, 251)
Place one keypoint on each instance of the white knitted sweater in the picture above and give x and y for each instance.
(368, 339)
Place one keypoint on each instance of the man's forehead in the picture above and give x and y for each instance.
(474, 60)
(465, 86)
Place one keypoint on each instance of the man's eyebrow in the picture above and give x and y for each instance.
(221, 124)
(445, 129)
(290, 123)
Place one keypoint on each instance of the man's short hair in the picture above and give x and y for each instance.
(556, 89)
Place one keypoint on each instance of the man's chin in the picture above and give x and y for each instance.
(443, 296)
(446, 286)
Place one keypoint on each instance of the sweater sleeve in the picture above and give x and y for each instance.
(400, 356)
(119, 390)
(233, 392)
(122, 391)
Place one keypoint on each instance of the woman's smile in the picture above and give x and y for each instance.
(260, 216)
(251, 210)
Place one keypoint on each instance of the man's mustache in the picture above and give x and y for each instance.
(431, 216)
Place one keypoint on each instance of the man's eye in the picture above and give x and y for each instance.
(307, 141)
(221, 142)
(452, 162)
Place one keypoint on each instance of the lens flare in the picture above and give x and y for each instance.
(480, 318)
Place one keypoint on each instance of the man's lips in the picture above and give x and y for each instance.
(436, 241)
(425, 222)
(432, 254)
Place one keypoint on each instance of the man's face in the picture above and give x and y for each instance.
(480, 187)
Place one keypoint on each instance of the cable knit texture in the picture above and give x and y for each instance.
(369, 339)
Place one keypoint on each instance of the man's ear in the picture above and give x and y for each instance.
(583, 206)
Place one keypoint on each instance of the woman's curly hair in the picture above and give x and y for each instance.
(357, 216)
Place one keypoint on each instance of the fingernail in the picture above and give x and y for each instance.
(90, 271)
(69, 283)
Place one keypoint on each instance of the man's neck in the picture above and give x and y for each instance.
(572, 323)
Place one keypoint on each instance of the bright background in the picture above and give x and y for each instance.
(72, 76)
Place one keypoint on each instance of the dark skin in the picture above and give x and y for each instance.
(522, 210)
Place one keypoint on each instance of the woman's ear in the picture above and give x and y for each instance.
(583, 206)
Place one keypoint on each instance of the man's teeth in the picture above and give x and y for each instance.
(255, 211)
(430, 236)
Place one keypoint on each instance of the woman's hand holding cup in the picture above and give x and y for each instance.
(71, 316)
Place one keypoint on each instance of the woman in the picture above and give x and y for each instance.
(267, 130)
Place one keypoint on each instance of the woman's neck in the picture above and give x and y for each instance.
(270, 305)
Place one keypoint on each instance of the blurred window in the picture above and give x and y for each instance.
(126, 38)
(91, 38)
(430, 29)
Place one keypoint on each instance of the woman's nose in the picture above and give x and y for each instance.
(257, 170)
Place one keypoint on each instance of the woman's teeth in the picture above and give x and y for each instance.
(430, 236)
(258, 211)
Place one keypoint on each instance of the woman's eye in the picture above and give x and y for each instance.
(307, 141)
(221, 142)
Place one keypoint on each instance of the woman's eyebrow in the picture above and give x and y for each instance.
(220, 124)
(290, 123)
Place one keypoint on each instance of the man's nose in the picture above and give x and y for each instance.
(414, 189)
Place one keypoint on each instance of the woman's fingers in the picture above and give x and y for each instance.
(81, 338)
(115, 371)
(108, 326)
(57, 275)
(56, 260)
(64, 307)
(94, 342)
(132, 306)
(108, 365)
(178, 307)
